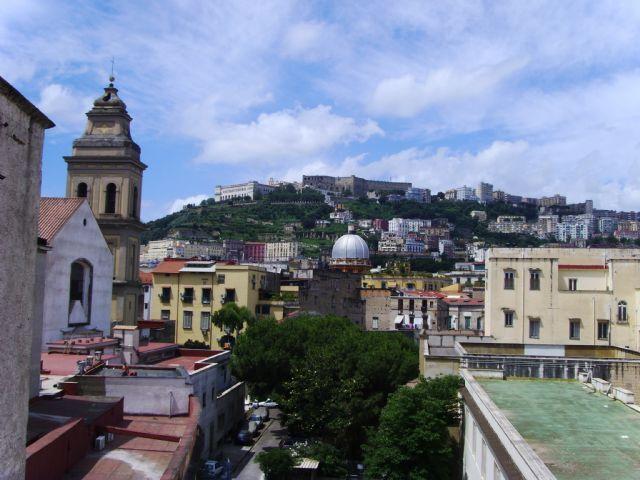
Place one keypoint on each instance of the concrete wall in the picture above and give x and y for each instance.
(36, 338)
(21, 139)
(77, 241)
(479, 461)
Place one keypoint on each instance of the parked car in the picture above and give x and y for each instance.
(263, 412)
(253, 428)
(268, 403)
(244, 437)
(256, 418)
(211, 470)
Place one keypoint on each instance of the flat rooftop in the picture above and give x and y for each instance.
(577, 434)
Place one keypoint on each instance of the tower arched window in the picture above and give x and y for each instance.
(134, 203)
(81, 191)
(622, 311)
(80, 286)
(110, 199)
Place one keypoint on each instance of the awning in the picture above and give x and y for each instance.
(417, 322)
(399, 319)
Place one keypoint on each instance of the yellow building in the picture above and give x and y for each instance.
(189, 292)
(563, 296)
(415, 281)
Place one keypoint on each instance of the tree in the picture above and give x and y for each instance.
(412, 440)
(276, 464)
(231, 318)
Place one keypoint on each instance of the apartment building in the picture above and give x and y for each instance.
(559, 296)
(575, 227)
(484, 192)
(403, 226)
(465, 193)
(281, 251)
(190, 292)
(607, 225)
(420, 195)
(555, 200)
(417, 309)
(242, 190)
(426, 281)
(547, 225)
(510, 224)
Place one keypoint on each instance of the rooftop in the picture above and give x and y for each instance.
(64, 363)
(577, 434)
(54, 213)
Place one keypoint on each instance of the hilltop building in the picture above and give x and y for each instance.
(356, 185)
(105, 168)
(249, 190)
(484, 192)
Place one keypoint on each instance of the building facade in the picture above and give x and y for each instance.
(105, 168)
(281, 251)
(78, 272)
(242, 190)
(484, 192)
(431, 282)
(420, 195)
(22, 128)
(557, 296)
(188, 293)
(356, 185)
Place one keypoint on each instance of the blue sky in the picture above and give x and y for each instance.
(535, 97)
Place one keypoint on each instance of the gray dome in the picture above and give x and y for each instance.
(350, 246)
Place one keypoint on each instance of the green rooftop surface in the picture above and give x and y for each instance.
(576, 433)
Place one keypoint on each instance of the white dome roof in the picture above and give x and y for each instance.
(350, 246)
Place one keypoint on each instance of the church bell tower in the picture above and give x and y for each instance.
(105, 168)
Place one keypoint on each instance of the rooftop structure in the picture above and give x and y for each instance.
(546, 429)
(350, 253)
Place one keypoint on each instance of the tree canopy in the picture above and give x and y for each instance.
(412, 440)
(331, 379)
(276, 464)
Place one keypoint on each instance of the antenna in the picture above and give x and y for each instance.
(111, 77)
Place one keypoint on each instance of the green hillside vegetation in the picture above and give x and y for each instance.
(265, 219)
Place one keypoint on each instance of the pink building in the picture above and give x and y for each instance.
(381, 224)
(254, 252)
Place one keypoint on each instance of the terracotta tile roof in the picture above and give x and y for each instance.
(146, 278)
(54, 213)
(464, 301)
(170, 265)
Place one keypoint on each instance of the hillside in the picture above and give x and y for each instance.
(266, 219)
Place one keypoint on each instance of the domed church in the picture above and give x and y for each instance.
(350, 253)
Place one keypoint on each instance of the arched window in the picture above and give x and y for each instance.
(622, 311)
(110, 199)
(80, 286)
(82, 190)
(134, 203)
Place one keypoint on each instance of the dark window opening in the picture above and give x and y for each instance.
(110, 200)
(82, 190)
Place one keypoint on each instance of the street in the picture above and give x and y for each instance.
(245, 466)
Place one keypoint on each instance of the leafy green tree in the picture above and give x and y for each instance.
(332, 460)
(231, 318)
(276, 464)
(412, 440)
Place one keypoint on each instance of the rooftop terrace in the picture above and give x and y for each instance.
(577, 434)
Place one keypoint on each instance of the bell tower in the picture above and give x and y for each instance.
(105, 168)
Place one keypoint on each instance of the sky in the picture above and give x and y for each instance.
(534, 97)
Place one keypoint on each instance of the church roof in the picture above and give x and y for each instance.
(54, 213)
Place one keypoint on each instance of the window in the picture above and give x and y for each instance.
(221, 279)
(80, 286)
(134, 203)
(400, 305)
(467, 322)
(165, 296)
(479, 323)
(187, 320)
(411, 304)
(622, 311)
(534, 280)
(146, 289)
(81, 191)
(509, 276)
(508, 318)
(110, 199)
(375, 323)
(206, 296)
(573, 284)
(205, 321)
(534, 328)
(383, 285)
(164, 314)
(229, 295)
(603, 330)
(574, 329)
(187, 296)
(411, 286)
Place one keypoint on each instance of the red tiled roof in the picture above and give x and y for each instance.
(146, 278)
(422, 293)
(54, 213)
(170, 265)
(582, 267)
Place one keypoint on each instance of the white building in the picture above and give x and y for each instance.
(480, 215)
(547, 225)
(413, 246)
(281, 251)
(78, 270)
(403, 226)
(465, 193)
(242, 190)
(484, 192)
(445, 247)
(575, 227)
(510, 224)
(390, 243)
(607, 225)
(341, 216)
(420, 195)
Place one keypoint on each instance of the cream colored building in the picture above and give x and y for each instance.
(560, 296)
(281, 251)
(190, 292)
(417, 281)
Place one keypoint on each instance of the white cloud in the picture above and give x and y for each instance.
(285, 136)
(179, 203)
(64, 107)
